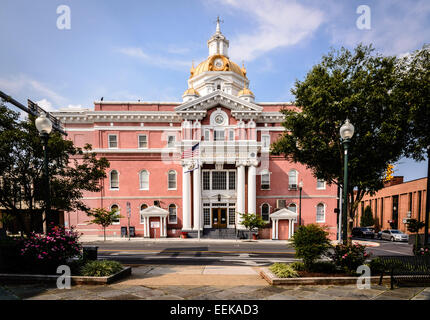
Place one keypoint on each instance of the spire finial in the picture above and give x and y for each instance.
(218, 21)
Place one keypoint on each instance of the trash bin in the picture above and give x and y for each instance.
(123, 231)
(90, 253)
(132, 232)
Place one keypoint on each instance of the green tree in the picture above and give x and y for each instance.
(72, 171)
(416, 87)
(364, 88)
(104, 218)
(310, 243)
(414, 226)
(252, 221)
(366, 219)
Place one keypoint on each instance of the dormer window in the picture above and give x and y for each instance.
(218, 87)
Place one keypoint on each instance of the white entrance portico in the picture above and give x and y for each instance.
(155, 212)
(283, 214)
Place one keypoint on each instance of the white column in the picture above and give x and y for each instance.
(148, 234)
(165, 226)
(144, 227)
(252, 189)
(273, 229)
(276, 229)
(289, 228)
(186, 199)
(292, 227)
(240, 203)
(197, 198)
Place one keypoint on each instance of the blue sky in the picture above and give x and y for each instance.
(133, 49)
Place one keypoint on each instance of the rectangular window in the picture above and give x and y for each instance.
(320, 184)
(232, 180)
(419, 206)
(231, 216)
(219, 135)
(410, 202)
(280, 204)
(265, 141)
(231, 135)
(171, 141)
(206, 180)
(207, 135)
(219, 180)
(265, 181)
(207, 216)
(113, 142)
(143, 142)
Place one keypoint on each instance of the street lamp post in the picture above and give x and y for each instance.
(300, 202)
(346, 133)
(44, 126)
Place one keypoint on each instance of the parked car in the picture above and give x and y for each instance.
(379, 235)
(394, 235)
(363, 232)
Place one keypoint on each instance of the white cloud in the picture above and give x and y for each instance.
(24, 85)
(45, 105)
(397, 27)
(278, 24)
(155, 60)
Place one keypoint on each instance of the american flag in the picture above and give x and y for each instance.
(192, 152)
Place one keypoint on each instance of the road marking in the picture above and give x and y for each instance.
(194, 251)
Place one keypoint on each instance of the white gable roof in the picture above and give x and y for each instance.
(154, 211)
(284, 213)
(218, 97)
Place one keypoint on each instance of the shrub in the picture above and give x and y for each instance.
(422, 250)
(298, 266)
(310, 243)
(283, 270)
(324, 267)
(376, 266)
(101, 268)
(349, 257)
(46, 252)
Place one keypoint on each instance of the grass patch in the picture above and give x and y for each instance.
(101, 268)
(283, 270)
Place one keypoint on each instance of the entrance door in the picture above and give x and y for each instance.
(219, 218)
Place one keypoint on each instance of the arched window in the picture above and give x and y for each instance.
(116, 208)
(114, 180)
(292, 207)
(171, 180)
(172, 214)
(142, 207)
(144, 180)
(265, 210)
(292, 179)
(320, 212)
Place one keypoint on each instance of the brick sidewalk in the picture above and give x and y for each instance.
(208, 283)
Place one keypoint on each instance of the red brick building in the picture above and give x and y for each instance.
(395, 203)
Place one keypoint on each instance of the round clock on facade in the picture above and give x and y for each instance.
(218, 63)
(219, 119)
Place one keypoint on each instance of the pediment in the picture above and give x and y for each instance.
(284, 213)
(239, 107)
(154, 211)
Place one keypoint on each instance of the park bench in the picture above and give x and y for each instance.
(405, 269)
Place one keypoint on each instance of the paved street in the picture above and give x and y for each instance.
(179, 252)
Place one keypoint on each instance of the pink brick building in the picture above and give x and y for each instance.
(395, 203)
(231, 171)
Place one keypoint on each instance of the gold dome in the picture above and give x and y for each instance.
(245, 91)
(191, 91)
(208, 65)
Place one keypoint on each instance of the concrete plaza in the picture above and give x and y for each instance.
(166, 282)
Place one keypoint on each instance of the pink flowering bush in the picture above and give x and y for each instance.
(422, 251)
(52, 249)
(349, 257)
